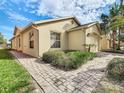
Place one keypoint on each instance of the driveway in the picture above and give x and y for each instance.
(53, 80)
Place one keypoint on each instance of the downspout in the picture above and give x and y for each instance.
(38, 42)
(84, 30)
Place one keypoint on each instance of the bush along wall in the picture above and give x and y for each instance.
(67, 60)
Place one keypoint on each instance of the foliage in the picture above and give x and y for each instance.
(117, 21)
(89, 46)
(107, 85)
(121, 37)
(66, 51)
(107, 18)
(13, 77)
(116, 69)
(2, 40)
(52, 56)
(114, 11)
(67, 60)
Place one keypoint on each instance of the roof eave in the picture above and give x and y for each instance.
(79, 28)
(78, 22)
(59, 19)
(11, 38)
(82, 27)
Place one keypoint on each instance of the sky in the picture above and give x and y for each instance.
(22, 12)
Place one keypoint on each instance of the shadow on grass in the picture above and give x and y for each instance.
(4, 54)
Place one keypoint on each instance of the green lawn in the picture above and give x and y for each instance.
(13, 77)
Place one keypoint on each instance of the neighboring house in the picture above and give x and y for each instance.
(105, 42)
(56, 34)
(8, 45)
(0, 46)
(108, 42)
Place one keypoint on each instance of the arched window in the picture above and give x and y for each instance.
(31, 40)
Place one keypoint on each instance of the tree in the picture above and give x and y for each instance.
(106, 19)
(104, 24)
(122, 14)
(2, 40)
(117, 22)
(121, 37)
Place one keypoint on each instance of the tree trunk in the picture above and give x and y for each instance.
(119, 38)
(89, 48)
(113, 44)
(113, 37)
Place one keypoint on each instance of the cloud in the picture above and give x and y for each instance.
(2, 3)
(6, 28)
(84, 10)
(28, 3)
(7, 31)
(16, 16)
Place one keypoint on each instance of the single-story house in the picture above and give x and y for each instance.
(56, 34)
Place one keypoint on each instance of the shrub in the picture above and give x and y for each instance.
(67, 60)
(78, 58)
(64, 63)
(52, 56)
(66, 51)
(83, 55)
(116, 69)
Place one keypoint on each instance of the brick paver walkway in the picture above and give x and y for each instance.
(52, 80)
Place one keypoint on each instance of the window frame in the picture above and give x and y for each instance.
(31, 43)
(56, 39)
(31, 40)
(19, 42)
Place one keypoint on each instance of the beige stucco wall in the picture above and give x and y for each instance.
(26, 49)
(93, 39)
(17, 43)
(104, 42)
(44, 35)
(76, 40)
(13, 43)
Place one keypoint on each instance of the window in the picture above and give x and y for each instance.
(55, 39)
(72, 22)
(31, 40)
(31, 44)
(19, 42)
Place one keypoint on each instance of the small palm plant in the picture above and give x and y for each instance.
(89, 46)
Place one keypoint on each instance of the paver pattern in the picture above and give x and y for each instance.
(53, 80)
